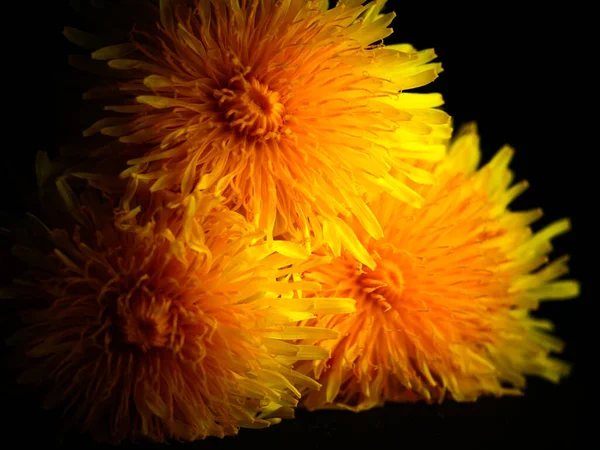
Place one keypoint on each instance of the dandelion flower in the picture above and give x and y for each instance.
(290, 110)
(138, 335)
(445, 314)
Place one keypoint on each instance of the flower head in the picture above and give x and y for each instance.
(445, 314)
(140, 335)
(290, 110)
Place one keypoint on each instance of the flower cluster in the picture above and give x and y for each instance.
(270, 220)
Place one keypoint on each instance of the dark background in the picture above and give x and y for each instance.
(510, 68)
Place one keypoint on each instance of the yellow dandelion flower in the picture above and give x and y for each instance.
(445, 314)
(139, 336)
(290, 110)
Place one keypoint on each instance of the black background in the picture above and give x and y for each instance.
(510, 68)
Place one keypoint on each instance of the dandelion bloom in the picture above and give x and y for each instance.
(290, 110)
(445, 314)
(140, 335)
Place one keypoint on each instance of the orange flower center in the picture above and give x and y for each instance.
(384, 285)
(144, 334)
(145, 323)
(251, 108)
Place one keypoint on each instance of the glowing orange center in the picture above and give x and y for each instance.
(384, 285)
(251, 108)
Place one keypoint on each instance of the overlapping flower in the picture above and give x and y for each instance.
(145, 333)
(290, 110)
(446, 312)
